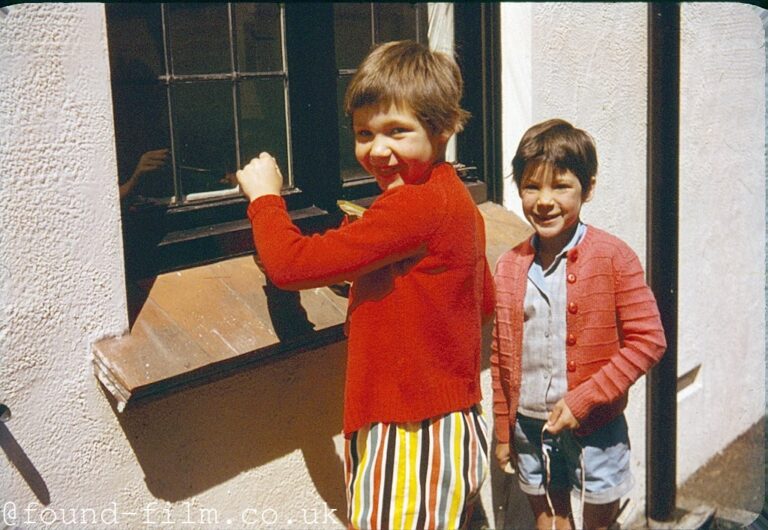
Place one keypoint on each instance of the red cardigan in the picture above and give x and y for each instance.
(421, 288)
(614, 332)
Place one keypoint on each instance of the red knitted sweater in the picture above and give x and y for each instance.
(614, 332)
(421, 287)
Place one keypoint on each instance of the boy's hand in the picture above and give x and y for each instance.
(503, 456)
(260, 177)
(561, 418)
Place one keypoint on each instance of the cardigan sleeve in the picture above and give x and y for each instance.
(396, 226)
(500, 383)
(489, 293)
(641, 340)
(488, 303)
(500, 403)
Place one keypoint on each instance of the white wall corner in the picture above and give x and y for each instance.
(516, 89)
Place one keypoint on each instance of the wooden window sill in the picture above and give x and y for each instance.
(200, 324)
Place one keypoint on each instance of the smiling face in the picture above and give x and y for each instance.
(393, 145)
(552, 204)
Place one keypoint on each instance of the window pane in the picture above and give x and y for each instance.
(259, 47)
(204, 132)
(350, 168)
(199, 38)
(139, 100)
(395, 22)
(135, 41)
(353, 35)
(141, 125)
(262, 121)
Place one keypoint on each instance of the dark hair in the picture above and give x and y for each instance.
(406, 73)
(560, 146)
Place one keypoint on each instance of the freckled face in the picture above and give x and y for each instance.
(552, 204)
(393, 146)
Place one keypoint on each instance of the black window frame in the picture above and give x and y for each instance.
(163, 239)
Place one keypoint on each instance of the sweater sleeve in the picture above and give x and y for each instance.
(500, 404)
(396, 226)
(641, 337)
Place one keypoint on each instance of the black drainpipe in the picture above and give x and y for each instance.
(662, 250)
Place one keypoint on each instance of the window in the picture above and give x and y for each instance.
(215, 84)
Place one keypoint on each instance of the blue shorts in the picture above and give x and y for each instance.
(606, 460)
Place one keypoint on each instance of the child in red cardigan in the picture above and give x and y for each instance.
(576, 326)
(416, 441)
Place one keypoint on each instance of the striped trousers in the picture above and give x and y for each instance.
(421, 475)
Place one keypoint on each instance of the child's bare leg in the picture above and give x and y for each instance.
(561, 501)
(600, 516)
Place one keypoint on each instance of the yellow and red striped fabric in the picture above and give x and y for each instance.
(416, 475)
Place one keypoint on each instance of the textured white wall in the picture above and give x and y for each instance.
(61, 250)
(722, 227)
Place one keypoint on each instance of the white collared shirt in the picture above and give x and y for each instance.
(544, 380)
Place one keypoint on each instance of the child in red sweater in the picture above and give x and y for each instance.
(416, 449)
(576, 326)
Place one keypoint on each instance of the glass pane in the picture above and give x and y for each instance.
(199, 38)
(205, 135)
(352, 26)
(259, 47)
(395, 22)
(262, 121)
(135, 36)
(141, 128)
(350, 168)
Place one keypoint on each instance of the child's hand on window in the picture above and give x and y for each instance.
(260, 177)
(561, 418)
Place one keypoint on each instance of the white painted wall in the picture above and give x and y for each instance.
(517, 89)
(722, 226)
(589, 66)
(61, 250)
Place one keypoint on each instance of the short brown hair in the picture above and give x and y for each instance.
(559, 145)
(408, 73)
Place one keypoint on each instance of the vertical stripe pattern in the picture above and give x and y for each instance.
(416, 475)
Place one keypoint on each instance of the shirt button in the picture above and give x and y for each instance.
(571, 366)
(573, 308)
(571, 278)
(571, 340)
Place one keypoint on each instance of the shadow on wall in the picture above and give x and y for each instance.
(191, 441)
(21, 462)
